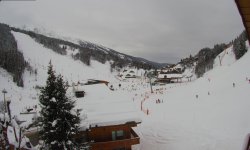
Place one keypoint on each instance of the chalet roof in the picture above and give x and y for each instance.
(103, 107)
(162, 76)
(244, 9)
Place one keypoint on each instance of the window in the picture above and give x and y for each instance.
(117, 135)
(113, 135)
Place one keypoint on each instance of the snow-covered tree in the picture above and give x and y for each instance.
(239, 45)
(59, 122)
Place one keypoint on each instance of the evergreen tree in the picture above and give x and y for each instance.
(47, 113)
(239, 45)
(58, 122)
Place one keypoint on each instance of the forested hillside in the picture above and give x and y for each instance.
(10, 58)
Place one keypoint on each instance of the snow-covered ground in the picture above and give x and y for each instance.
(214, 120)
(38, 58)
(208, 113)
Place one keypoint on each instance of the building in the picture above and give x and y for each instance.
(169, 78)
(108, 119)
(170, 74)
(113, 137)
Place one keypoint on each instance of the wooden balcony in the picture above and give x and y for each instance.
(124, 143)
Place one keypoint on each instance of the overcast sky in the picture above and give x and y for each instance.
(158, 30)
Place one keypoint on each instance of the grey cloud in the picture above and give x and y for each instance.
(159, 30)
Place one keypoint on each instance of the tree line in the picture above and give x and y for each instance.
(87, 51)
(11, 59)
(205, 57)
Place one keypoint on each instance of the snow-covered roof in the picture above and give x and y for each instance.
(103, 107)
(161, 76)
(178, 66)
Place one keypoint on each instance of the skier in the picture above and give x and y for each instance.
(196, 96)
(233, 84)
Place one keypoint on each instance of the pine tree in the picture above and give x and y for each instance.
(239, 45)
(58, 123)
(67, 123)
(47, 94)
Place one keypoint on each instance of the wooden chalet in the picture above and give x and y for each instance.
(109, 122)
(244, 10)
(113, 137)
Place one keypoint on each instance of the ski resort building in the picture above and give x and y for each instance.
(170, 74)
(169, 78)
(108, 122)
(113, 137)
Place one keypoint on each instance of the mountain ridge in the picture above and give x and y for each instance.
(90, 47)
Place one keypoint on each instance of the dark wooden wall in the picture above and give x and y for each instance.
(103, 134)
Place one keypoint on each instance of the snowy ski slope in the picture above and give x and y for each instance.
(208, 113)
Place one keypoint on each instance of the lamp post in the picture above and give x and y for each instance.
(4, 92)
